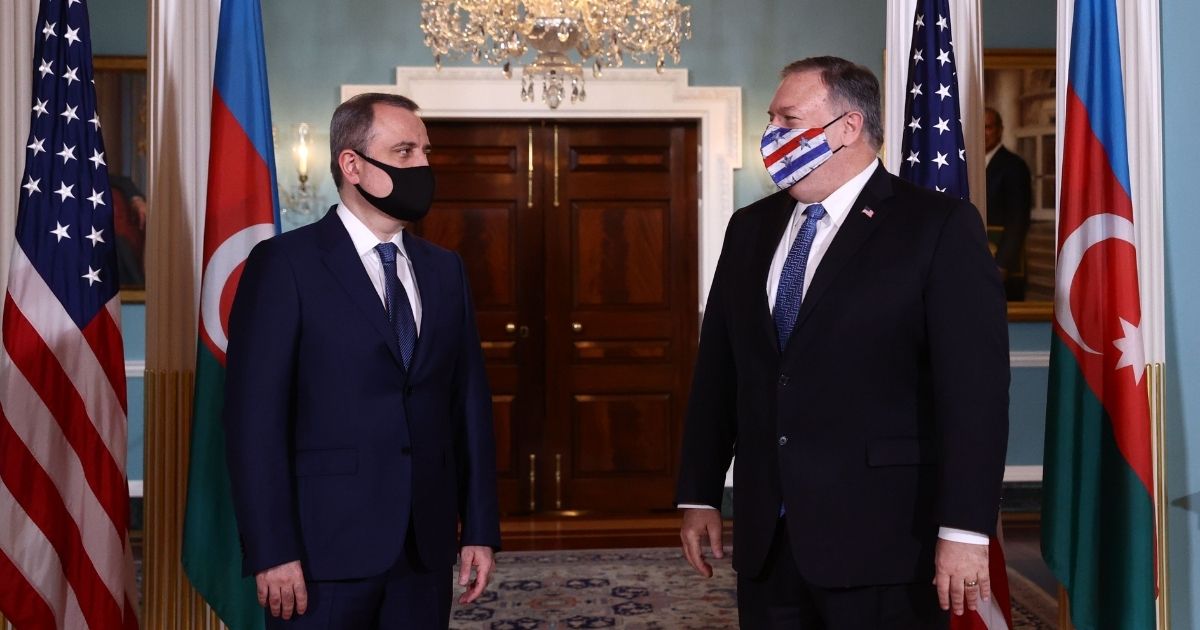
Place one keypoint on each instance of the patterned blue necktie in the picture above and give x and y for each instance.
(399, 310)
(791, 279)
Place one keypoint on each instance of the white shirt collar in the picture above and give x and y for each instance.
(837, 204)
(988, 156)
(363, 238)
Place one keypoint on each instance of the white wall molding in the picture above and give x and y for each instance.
(135, 369)
(136, 488)
(1022, 474)
(1029, 359)
(622, 93)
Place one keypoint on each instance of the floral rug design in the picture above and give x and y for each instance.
(642, 589)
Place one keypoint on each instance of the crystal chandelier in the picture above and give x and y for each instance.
(602, 33)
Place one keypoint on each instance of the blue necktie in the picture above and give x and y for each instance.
(399, 311)
(791, 279)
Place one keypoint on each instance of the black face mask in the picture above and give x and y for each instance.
(412, 191)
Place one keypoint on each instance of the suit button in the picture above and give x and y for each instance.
(783, 440)
(784, 380)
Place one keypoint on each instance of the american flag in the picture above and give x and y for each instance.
(934, 156)
(65, 560)
(933, 153)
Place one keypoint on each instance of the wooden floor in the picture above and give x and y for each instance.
(571, 530)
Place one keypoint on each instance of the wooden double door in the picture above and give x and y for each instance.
(579, 239)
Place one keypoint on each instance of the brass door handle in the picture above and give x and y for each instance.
(577, 327)
(532, 482)
(520, 331)
(510, 328)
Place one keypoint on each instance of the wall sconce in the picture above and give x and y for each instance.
(299, 201)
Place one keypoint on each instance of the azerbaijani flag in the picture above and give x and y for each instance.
(1098, 513)
(242, 210)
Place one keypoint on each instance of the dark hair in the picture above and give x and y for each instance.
(351, 125)
(992, 111)
(853, 86)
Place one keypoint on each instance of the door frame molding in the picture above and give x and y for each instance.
(621, 94)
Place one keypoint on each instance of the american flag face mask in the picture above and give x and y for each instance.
(791, 154)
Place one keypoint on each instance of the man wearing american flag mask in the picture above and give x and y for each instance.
(854, 356)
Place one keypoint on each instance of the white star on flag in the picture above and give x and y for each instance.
(944, 57)
(917, 56)
(943, 91)
(942, 126)
(95, 117)
(38, 145)
(939, 189)
(920, 21)
(64, 191)
(92, 276)
(915, 124)
(40, 107)
(97, 159)
(96, 236)
(72, 36)
(941, 23)
(962, 154)
(48, 30)
(47, 67)
(913, 159)
(916, 90)
(71, 3)
(69, 113)
(60, 231)
(71, 75)
(1133, 354)
(31, 186)
(67, 153)
(940, 160)
(97, 198)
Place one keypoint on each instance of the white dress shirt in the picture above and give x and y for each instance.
(837, 207)
(364, 244)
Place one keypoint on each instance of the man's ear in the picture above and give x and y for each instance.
(349, 163)
(852, 127)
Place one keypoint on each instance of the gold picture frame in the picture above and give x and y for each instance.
(1020, 84)
(121, 91)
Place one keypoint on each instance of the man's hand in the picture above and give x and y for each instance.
(961, 575)
(281, 590)
(697, 524)
(481, 559)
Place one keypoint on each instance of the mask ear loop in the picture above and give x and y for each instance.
(843, 115)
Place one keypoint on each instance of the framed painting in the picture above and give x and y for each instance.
(121, 105)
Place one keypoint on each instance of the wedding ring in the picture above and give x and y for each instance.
(971, 583)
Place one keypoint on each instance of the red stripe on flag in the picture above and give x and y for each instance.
(23, 605)
(31, 486)
(103, 335)
(33, 358)
(1105, 289)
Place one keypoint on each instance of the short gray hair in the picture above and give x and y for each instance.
(851, 85)
(351, 125)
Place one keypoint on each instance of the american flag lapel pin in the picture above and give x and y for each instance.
(869, 212)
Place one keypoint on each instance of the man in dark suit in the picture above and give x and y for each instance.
(1009, 199)
(357, 412)
(854, 358)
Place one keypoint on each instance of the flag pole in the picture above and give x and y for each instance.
(1156, 390)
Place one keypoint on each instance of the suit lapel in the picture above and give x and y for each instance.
(770, 231)
(856, 228)
(344, 263)
(431, 299)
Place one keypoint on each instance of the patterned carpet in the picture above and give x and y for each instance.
(642, 589)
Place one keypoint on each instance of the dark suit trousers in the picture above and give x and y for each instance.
(408, 596)
(780, 598)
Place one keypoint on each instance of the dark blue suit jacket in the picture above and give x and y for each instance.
(885, 417)
(317, 399)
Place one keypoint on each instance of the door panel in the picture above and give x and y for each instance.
(580, 243)
(483, 212)
(621, 309)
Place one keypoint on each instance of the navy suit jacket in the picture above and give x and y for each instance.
(885, 417)
(317, 398)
